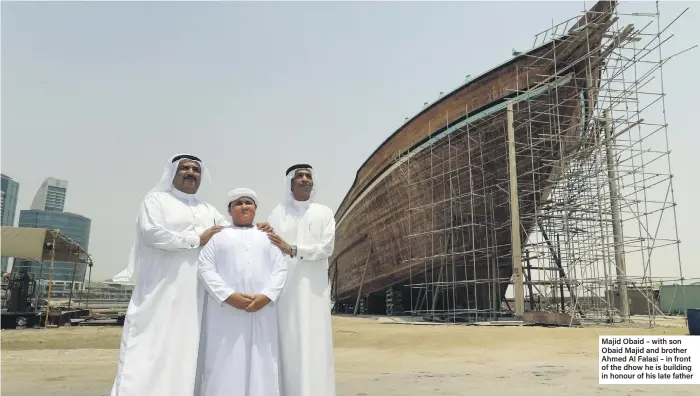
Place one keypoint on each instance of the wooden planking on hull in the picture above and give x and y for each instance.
(386, 216)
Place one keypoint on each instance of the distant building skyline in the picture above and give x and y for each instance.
(51, 195)
(8, 206)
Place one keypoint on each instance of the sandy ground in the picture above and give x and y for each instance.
(373, 357)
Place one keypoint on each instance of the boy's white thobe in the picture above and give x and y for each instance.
(240, 348)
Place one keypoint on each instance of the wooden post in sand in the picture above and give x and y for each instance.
(518, 288)
(362, 282)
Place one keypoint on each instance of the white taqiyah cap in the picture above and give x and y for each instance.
(242, 192)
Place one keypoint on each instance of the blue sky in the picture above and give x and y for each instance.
(102, 93)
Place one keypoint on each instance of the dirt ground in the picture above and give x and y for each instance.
(373, 357)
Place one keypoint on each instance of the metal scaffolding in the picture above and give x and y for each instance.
(589, 157)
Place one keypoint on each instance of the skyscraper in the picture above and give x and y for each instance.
(8, 203)
(51, 196)
(8, 206)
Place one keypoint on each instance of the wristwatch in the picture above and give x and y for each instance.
(294, 251)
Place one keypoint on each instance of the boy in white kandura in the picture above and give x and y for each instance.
(243, 273)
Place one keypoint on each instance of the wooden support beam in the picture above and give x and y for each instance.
(519, 290)
(330, 267)
(529, 280)
(436, 293)
(557, 261)
(335, 282)
(561, 285)
(362, 282)
(419, 300)
(620, 266)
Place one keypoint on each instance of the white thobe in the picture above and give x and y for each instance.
(304, 309)
(240, 348)
(160, 339)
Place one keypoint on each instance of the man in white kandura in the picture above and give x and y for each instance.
(243, 273)
(160, 340)
(304, 309)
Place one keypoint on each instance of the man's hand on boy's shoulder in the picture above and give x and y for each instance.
(265, 227)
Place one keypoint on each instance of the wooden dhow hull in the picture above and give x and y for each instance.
(431, 203)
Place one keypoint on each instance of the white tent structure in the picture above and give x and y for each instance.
(42, 244)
